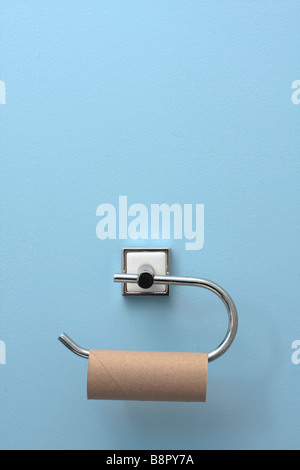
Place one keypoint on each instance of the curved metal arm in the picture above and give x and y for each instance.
(70, 344)
(195, 281)
(179, 281)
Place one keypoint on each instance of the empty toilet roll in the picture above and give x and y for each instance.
(147, 376)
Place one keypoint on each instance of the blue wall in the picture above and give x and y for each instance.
(164, 102)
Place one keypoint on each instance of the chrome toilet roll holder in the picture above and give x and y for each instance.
(152, 277)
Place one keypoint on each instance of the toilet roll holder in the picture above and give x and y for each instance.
(152, 277)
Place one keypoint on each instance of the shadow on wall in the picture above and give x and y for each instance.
(198, 420)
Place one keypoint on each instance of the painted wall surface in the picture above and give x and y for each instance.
(163, 102)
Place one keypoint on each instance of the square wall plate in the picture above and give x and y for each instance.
(134, 258)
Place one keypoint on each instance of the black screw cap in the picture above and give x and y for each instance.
(145, 280)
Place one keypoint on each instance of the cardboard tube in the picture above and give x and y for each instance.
(147, 376)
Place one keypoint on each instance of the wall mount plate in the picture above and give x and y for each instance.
(134, 258)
